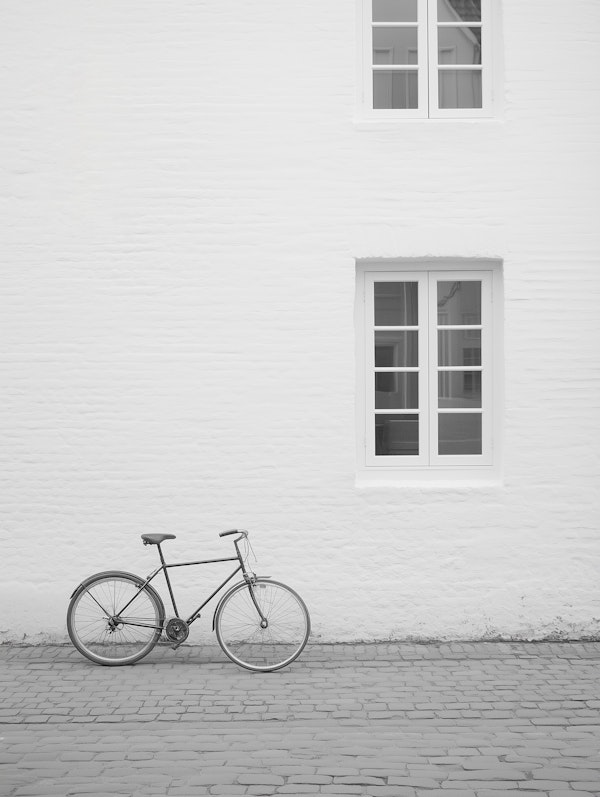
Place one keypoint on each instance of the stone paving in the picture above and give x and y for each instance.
(455, 720)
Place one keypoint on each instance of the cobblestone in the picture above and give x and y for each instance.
(386, 720)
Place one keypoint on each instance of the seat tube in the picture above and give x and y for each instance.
(167, 579)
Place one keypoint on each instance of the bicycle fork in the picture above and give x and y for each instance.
(251, 581)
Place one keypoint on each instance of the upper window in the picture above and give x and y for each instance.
(427, 58)
(428, 367)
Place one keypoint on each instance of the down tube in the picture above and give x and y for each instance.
(196, 614)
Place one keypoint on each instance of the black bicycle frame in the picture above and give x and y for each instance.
(164, 567)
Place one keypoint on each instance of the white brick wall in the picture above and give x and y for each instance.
(184, 193)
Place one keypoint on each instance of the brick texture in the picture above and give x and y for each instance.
(184, 194)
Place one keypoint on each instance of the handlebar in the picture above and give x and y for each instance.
(233, 531)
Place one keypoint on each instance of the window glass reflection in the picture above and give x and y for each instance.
(459, 433)
(396, 304)
(398, 89)
(459, 302)
(458, 389)
(396, 349)
(394, 10)
(396, 435)
(459, 88)
(459, 10)
(459, 45)
(396, 391)
(395, 46)
(459, 347)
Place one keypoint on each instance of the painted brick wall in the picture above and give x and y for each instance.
(184, 194)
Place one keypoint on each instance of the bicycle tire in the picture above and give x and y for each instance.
(97, 600)
(239, 631)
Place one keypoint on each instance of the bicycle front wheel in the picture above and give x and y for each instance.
(262, 643)
(111, 620)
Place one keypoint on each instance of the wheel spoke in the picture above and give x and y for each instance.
(98, 631)
(246, 642)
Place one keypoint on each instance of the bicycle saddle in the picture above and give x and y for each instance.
(156, 539)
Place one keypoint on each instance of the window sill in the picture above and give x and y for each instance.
(430, 478)
(365, 123)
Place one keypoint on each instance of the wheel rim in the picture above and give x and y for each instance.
(99, 631)
(246, 642)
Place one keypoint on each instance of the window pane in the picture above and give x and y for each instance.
(396, 304)
(459, 45)
(395, 45)
(459, 389)
(459, 10)
(393, 349)
(396, 391)
(397, 89)
(459, 88)
(396, 435)
(459, 302)
(394, 10)
(460, 347)
(459, 433)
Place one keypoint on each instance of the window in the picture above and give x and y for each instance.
(428, 365)
(426, 58)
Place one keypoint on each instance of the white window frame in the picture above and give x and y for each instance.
(427, 67)
(428, 465)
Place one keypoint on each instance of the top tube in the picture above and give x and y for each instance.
(202, 562)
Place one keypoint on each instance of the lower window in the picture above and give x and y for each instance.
(428, 365)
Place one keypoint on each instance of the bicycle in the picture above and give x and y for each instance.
(116, 618)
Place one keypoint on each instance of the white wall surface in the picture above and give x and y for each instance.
(184, 193)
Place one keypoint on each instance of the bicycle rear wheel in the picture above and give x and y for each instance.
(242, 635)
(112, 621)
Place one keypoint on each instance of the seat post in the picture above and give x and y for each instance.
(160, 553)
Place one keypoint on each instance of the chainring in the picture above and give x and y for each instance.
(177, 630)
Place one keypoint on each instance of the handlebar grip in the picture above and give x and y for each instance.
(227, 533)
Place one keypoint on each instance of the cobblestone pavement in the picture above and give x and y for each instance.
(456, 720)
